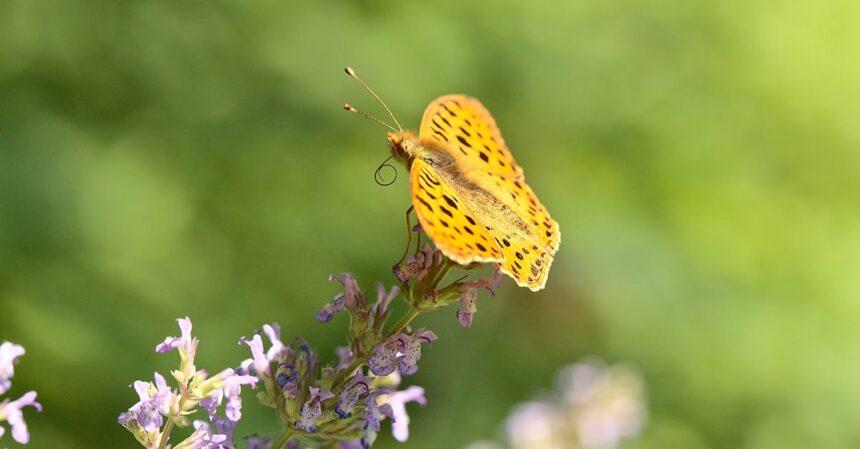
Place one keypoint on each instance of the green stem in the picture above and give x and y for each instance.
(400, 325)
(282, 439)
(166, 434)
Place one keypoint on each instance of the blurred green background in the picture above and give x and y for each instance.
(164, 158)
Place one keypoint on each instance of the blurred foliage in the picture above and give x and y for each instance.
(164, 158)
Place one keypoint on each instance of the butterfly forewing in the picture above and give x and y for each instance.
(464, 124)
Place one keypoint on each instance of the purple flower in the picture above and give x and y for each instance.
(288, 379)
(10, 411)
(469, 297)
(9, 353)
(417, 265)
(355, 389)
(401, 351)
(383, 299)
(410, 348)
(277, 350)
(375, 412)
(225, 427)
(155, 401)
(353, 298)
(204, 438)
(397, 401)
(383, 359)
(185, 343)
(312, 409)
(468, 306)
(335, 305)
(260, 362)
(354, 444)
(257, 442)
(345, 357)
(227, 385)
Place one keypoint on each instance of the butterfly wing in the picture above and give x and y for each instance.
(464, 124)
(519, 224)
(447, 220)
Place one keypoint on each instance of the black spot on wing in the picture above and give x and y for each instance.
(464, 141)
(426, 204)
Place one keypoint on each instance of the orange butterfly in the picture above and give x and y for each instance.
(469, 194)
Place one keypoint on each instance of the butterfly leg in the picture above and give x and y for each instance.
(408, 235)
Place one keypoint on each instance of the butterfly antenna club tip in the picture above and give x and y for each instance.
(350, 108)
(349, 71)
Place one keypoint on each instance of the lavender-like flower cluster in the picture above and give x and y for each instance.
(594, 407)
(11, 411)
(341, 403)
(161, 407)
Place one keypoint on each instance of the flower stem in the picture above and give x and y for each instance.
(166, 434)
(282, 439)
(407, 318)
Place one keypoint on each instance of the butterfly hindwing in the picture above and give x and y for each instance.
(520, 197)
(447, 220)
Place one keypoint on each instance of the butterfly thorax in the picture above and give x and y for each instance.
(406, 147)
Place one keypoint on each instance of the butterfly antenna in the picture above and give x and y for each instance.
(349, 108)
(377, 175)
(349, 71)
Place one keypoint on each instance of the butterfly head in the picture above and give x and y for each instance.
(404, 145)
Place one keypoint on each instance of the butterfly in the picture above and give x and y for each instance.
(468, 192)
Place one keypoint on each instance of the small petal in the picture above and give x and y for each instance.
(185, 343)
(287, 378)
(312, 409)
(335, 305)
(383, 299)
(15, 418)
(261, 363)
(383, 359)
(345, 357)
(257, 442)
(397, 401)
(273, 331)
(407, 362)
(468, 306)
(353, 297)
(355, 389)
(9, 353)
